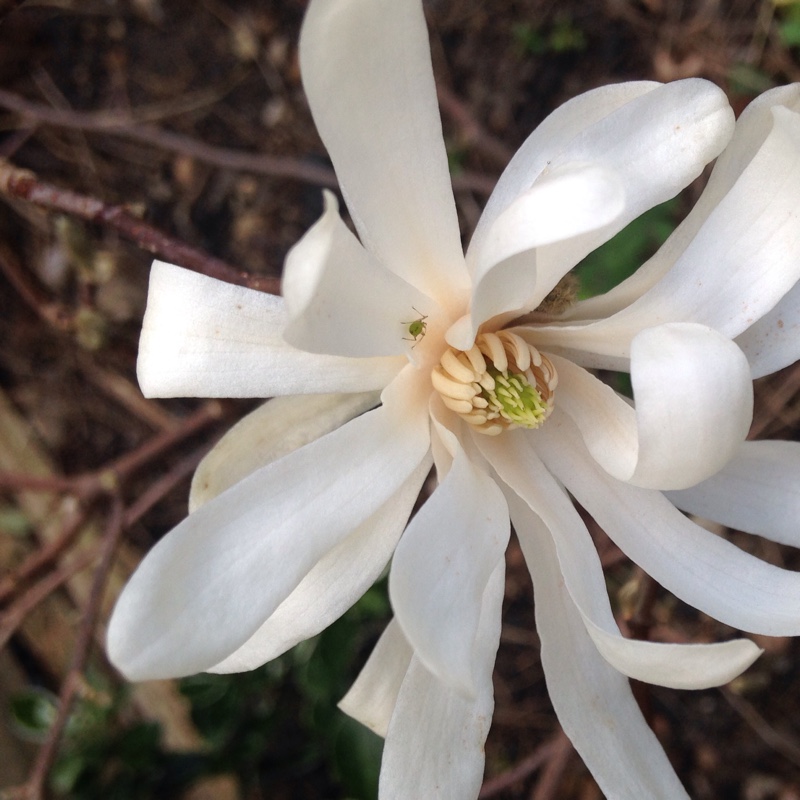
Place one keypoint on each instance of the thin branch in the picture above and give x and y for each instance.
(115, 123)
(778, 741)
(163, 486)
(44, 556)
(521, 771)
(49, 750)
(15, 614)
(24, 185)
(122, 124)
(123, 467)
(547, 786)
(51, 311)
(471, 130)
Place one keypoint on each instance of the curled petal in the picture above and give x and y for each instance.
(704, 570)
(541, 510)
(367, 73)
(593, 701)
(773, 342)
(752, 128)
(757, 491)
(737, 267)
(434, 745)
(340, 300)
(627, 127)
(227, 567)
(205, 338)
(441, 568)
(270, 432)
(654, 138)
(373, 696)
(694, 404)
(562, 204)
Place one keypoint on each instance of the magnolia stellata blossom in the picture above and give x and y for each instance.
(395, 351)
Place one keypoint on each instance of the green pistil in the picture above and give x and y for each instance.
(514, 399)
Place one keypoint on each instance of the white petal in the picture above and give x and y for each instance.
(548, 139)
(694, 405)
(562, 204)
(205, 338)
(434, 745)
(333, 584)
(773, 342)
(372, 698)
(441, 568)
(655, 138)
(367, 72)
(752, 128)
(702, 569)
(742, 261)
(207, 586)
(546, 512)
(593, 701)
(340, 300)
(270, 432)
(758, 491)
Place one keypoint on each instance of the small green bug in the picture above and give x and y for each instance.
(416, 328)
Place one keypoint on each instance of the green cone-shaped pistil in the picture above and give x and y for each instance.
(514, 399)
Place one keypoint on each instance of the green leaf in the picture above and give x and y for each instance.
(357, 756)
(620, 257)
(33, 711)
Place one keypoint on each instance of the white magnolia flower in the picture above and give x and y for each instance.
(300, 507)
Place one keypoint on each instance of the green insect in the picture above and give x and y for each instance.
(416, 328)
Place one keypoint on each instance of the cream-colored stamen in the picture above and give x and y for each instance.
(502, 382)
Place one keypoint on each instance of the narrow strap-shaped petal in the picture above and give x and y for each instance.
(366, 69)
(746, 252)
(656, 143)
(694, 405)
(551, 136)
(752, 128)
(270, 432)
(441, 568)
(567, 203)
(546, 511)
(341, 300)
(434, 745)
(207, 586)
(773, 342)
(373, 696)
(704, 570)
(205, 338)
(333, 584)
(757, 491)
(593, 701)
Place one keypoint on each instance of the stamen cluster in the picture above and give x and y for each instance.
(501, 382)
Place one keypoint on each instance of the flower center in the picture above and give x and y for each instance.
(502, 382)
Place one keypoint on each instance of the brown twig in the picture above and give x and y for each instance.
(15, 614)
(518, 773)
(47, 754)
(163, 486)
(51, 311)
(547, 786)
(126, 393)
(778, 741)
(115, 123)
(24, 185)
(43, 557)
(472, 132)
(107, 480)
